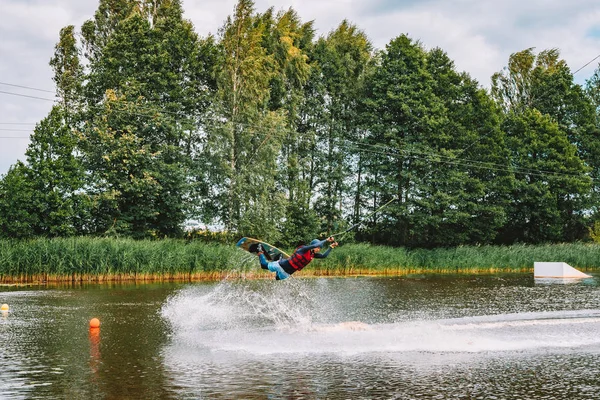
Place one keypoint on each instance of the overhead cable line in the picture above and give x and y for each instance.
(464, 163)
(588, 63)
(454, 158)
(360, 146)
(25, 95)
(362, 219)
(473, 164)
(357, 145)
(469, 163)
(153, 109)
(26, 87)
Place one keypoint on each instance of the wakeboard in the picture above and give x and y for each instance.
(272, 253)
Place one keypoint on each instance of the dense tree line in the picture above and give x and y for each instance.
(267, 130)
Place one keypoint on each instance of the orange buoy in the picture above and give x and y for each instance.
(94, 323)
(4, 307)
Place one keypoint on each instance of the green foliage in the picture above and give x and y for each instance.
(211, 236)
(467, 200)
(290, 42)
(592, 88)
(301, 225)
(68, 71)
(589, 139)
(43, 198)
(17, 216)
(269, 131)
(423, 118)
(543, 204)
(512, 87)
(45, 194)
(137, 185)
(242, 152)
(136, 110)
(341, 61)
(402, 112)
(594, 232)
(57, 177)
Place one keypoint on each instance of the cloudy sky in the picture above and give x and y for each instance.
(479, 35)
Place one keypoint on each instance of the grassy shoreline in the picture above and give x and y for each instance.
(107, 259)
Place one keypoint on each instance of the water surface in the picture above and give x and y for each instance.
(415, 337)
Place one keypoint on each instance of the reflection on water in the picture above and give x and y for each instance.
(48, 350)
(95, 353)
(417, 337)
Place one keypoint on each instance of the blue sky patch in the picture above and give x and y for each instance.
(593, 32)
(377, 7)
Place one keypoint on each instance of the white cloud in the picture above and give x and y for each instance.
(471, 51)
(478, 35)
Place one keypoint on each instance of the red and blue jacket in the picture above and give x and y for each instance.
(302, 257)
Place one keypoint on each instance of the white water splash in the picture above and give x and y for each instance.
(267, 317)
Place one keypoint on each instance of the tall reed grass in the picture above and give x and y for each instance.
(99, 259)
(364, 258)
(85, 258)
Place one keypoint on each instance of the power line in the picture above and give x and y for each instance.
(26, 87)
(462, 162)
(473, 163)
(24, 95)
(16, 130)
(17, 123)
(592, 60)
(356, 145)
(468, 163)
(415, 154)
(359, 146)
(151, 109)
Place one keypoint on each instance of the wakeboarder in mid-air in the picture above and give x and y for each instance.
(303, 255)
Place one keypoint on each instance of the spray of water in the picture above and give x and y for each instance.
(292, 316)
(244, 263)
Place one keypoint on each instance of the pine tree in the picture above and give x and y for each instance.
(543, 83)
(551, 181)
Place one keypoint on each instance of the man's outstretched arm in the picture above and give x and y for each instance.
(306, 248)
(323, 255)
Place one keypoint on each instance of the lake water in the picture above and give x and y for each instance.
(420, 337)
